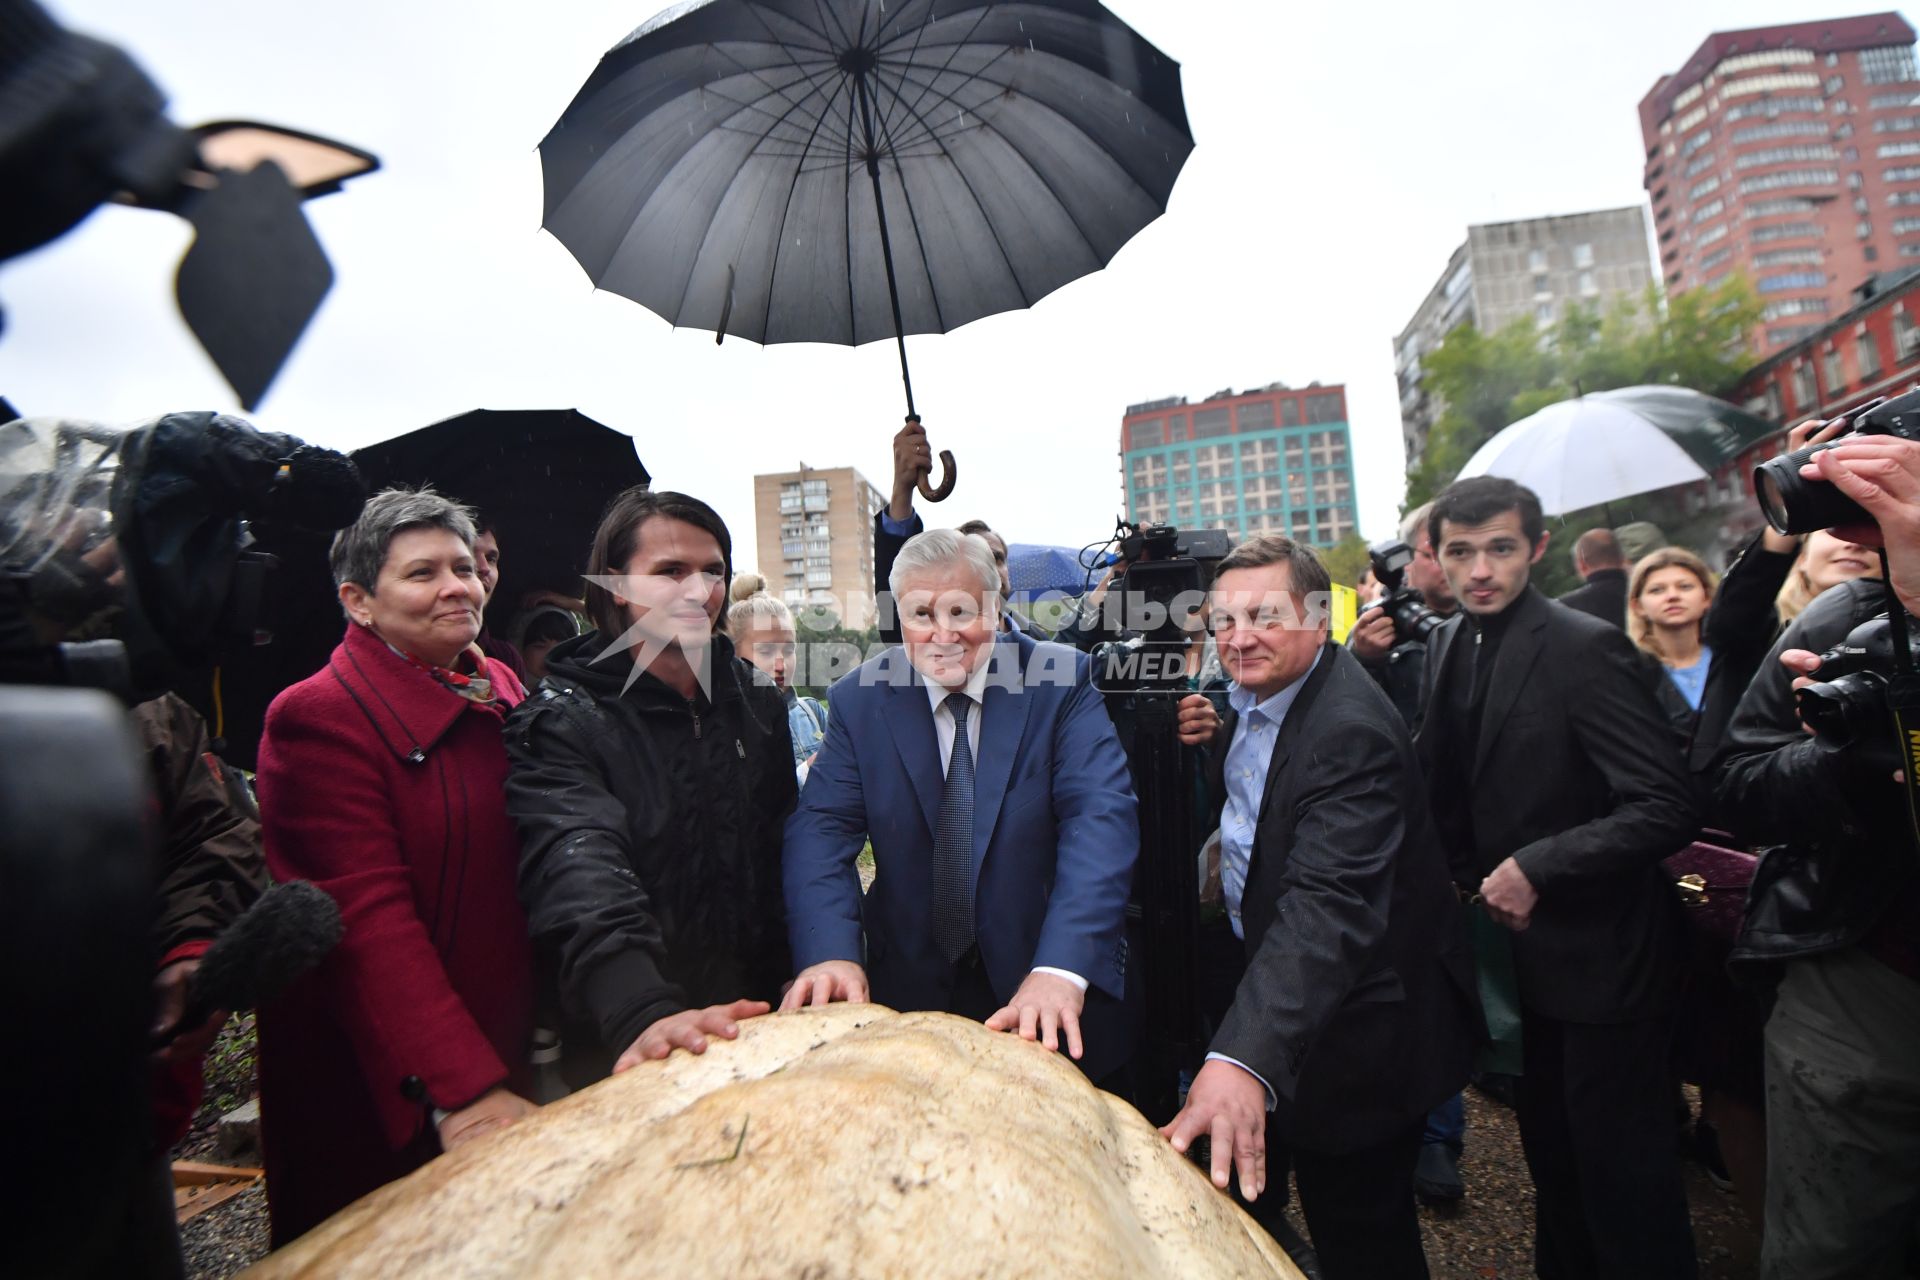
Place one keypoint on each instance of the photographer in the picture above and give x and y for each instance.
(1398, 663)
(1833, 917)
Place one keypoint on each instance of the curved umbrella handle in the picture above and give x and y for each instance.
(939, 493)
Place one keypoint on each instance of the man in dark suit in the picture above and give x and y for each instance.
(1558, 788)
(1340, 981)
(1603, 570)
(985, 771)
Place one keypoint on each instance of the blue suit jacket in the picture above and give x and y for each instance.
(1055, 832)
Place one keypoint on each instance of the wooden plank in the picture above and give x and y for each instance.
(193, 1173)
(191, 1202)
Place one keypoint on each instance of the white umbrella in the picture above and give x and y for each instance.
(1584, 452)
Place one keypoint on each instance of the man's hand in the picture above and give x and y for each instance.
(1045, 1006)
(169, 1002)
(492, 1110)
(912, 458)
(1231, 1105)
(1372, 637)
(1198, 722)
(1509, 896)
(689, 1030)
(1882, 474)
(826, 982)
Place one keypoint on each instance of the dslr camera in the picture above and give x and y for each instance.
(1412, 620)
(1851, 707)
(1794, 504)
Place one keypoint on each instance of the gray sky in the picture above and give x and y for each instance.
(1342, 150)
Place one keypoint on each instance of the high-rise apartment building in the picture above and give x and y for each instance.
(814, 539)
(1275, 460)
(1791, 153)
(1535, 267)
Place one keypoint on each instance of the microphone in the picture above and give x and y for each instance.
(318, 489)
(280, 937)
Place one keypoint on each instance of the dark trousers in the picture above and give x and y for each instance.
(1358, 1205)
(1595, 1105)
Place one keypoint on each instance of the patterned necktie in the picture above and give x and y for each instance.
(953, 843)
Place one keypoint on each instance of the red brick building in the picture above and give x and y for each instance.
(1791, 153)
(1871, 350)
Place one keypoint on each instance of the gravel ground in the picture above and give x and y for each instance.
(1489, 1237)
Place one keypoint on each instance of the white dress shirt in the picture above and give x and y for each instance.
(943, 726)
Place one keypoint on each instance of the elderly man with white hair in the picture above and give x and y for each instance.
(985, 772)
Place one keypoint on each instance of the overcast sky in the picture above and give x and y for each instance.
(1342, 151)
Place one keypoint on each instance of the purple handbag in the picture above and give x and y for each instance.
(1712, 881)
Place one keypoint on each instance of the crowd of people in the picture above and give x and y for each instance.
(625, 833)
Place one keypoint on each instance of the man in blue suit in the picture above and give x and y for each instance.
(984, 769)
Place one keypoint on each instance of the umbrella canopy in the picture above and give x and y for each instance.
(737, 165)
(1037, 571)
(540, 476)
(1712, 431)
(1584, 452)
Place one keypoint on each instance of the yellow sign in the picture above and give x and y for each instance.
(1342, 611)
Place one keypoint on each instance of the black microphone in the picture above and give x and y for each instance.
(319, 490)
(287, 932)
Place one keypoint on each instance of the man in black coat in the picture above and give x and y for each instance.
(1340, 983)
(1603, 570)
(1558, 787)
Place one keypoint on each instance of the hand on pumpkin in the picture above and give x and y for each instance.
(1230, 1104)
(492, 1110)
(1045, 1006)
(689, 1030)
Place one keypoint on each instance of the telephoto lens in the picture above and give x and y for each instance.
(1794, 504)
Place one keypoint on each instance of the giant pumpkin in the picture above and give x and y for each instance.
(829, 1144)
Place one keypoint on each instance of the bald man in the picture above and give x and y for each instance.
(1597, 559)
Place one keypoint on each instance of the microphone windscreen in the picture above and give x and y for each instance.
(323, 490)
(287, 932)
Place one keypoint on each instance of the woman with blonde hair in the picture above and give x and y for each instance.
(1826, 560)
(1667, 599)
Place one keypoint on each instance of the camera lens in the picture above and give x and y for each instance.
(1846, 711)
(1794, 504)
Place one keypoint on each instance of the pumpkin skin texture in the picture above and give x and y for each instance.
(876, 1144)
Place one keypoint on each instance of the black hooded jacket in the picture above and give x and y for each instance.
(650, 831)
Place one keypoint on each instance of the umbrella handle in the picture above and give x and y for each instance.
(949, 473)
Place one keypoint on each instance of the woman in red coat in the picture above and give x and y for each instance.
(381, 780)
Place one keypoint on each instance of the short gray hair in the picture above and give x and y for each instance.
(361, 548)
(939, 548)
(756, 608)
(1414, 523)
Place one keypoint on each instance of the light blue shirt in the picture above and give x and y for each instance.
(1692, 681)
(1246, 776)
(1257, 729)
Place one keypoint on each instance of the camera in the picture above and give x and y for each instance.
(1412, 620)
(1849, 707)
(1794, 504)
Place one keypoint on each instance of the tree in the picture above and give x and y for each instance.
(1489, 381)
(1346, 560)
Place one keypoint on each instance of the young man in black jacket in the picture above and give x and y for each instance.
(1558, 788)
(651, 780)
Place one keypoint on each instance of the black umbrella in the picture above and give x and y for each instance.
(848, 170)
(541, 477)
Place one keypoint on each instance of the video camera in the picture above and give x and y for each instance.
(1160, 587)
(1794, 504)
(125, 555)
(1412, 619)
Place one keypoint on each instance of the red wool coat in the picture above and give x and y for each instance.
(385, 788)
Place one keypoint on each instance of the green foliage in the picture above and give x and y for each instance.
(1346, 560)
(819, 634)
(1488, 381)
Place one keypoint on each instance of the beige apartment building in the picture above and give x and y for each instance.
(813, 531)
